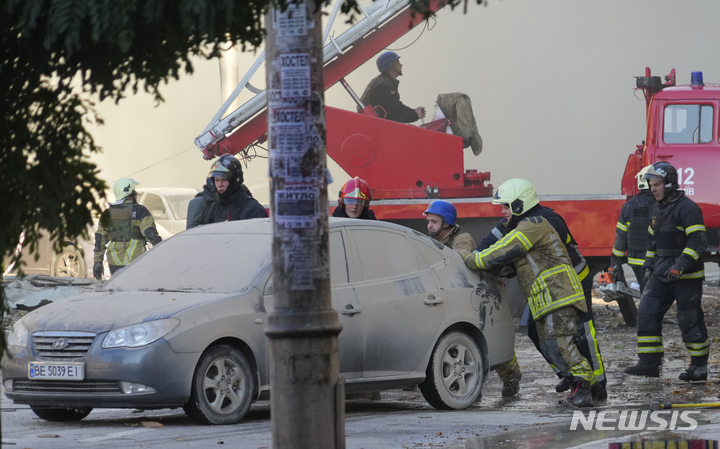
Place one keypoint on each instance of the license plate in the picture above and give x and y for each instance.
(51, 370)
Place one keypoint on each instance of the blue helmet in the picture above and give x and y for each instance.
(385, 61)
(444, 209)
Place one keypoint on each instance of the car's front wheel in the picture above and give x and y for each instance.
(454, 376)
(222, 388)
(61, 414)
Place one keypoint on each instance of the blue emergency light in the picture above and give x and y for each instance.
(696, 79)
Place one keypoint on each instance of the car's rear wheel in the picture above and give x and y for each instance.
(454, 376)
(222, 388)
(61, 414)
(69, 263)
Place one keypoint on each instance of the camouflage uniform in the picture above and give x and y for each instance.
(130, 227)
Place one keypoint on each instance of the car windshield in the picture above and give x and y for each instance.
(179, 204)
(212, 262)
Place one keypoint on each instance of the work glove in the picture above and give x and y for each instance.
(469, 259)
(673, 273)
(647, 272)
(98, 271)
(618, 274)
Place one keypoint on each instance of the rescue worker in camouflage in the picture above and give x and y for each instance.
(442, 226)
(546, 275)
(123, 230)
(383, 91)
(235, 202)
(585, 337)
(631, 233)
(674, 271)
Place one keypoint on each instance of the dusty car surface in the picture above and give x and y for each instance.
(183, 325)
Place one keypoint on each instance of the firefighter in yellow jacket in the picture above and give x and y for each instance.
(124, 229)
(548, 279)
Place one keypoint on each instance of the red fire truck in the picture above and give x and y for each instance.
(373, 148)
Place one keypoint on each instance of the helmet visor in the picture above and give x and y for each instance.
(359, 201)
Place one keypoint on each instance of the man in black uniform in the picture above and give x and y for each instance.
(673, 270)
(631, 232)
(383, 91)
(235, 202)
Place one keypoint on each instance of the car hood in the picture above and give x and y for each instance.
(102, 311)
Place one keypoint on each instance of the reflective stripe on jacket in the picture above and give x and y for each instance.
(544, 270)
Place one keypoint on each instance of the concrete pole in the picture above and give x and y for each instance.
(307, 397)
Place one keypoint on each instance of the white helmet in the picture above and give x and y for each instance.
(123, 188)
(642, 182)
(518, 194)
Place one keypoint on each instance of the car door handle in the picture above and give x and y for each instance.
(350, 310)
(432, 300)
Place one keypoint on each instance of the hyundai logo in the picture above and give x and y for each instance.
(60, 344)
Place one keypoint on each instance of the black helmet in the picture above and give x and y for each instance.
(665, 171)
(227, 167)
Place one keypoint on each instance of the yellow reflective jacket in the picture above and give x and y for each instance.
(544, 270)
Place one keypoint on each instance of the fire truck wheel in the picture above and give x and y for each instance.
(454, 376)
(222, 388)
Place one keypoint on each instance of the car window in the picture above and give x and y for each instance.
(179, 204)
(209, 262)
(385, 253)
(338, 263)
(338, 260)
(688, 123)
(430, 253)
(155, 205)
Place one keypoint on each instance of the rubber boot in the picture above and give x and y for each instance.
(599, 393)
(695, 373)
(511, 376)
(643, 369)
(563, 385)
(580, 396)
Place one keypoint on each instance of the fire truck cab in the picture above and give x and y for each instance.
(682, 129)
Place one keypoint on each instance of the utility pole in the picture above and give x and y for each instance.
(307, 396)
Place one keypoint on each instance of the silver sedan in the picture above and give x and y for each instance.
(164, 330)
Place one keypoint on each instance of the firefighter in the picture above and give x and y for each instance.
(548, 279)
(674, 270)
(124, 229)
(199, 206)
(631, 233)
(441, 224)
(383, 91)
(235, 202)
(354, 200)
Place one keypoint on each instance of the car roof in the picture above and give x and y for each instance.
(263, 226)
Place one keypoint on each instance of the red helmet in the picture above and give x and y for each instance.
(355, 191)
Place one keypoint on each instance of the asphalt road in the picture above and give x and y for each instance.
(402, 419)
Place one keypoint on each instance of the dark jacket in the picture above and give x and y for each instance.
(676, 236)
(631, 230)
(199, 206)
(366, 214)
(240, 205)
(383, 91)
